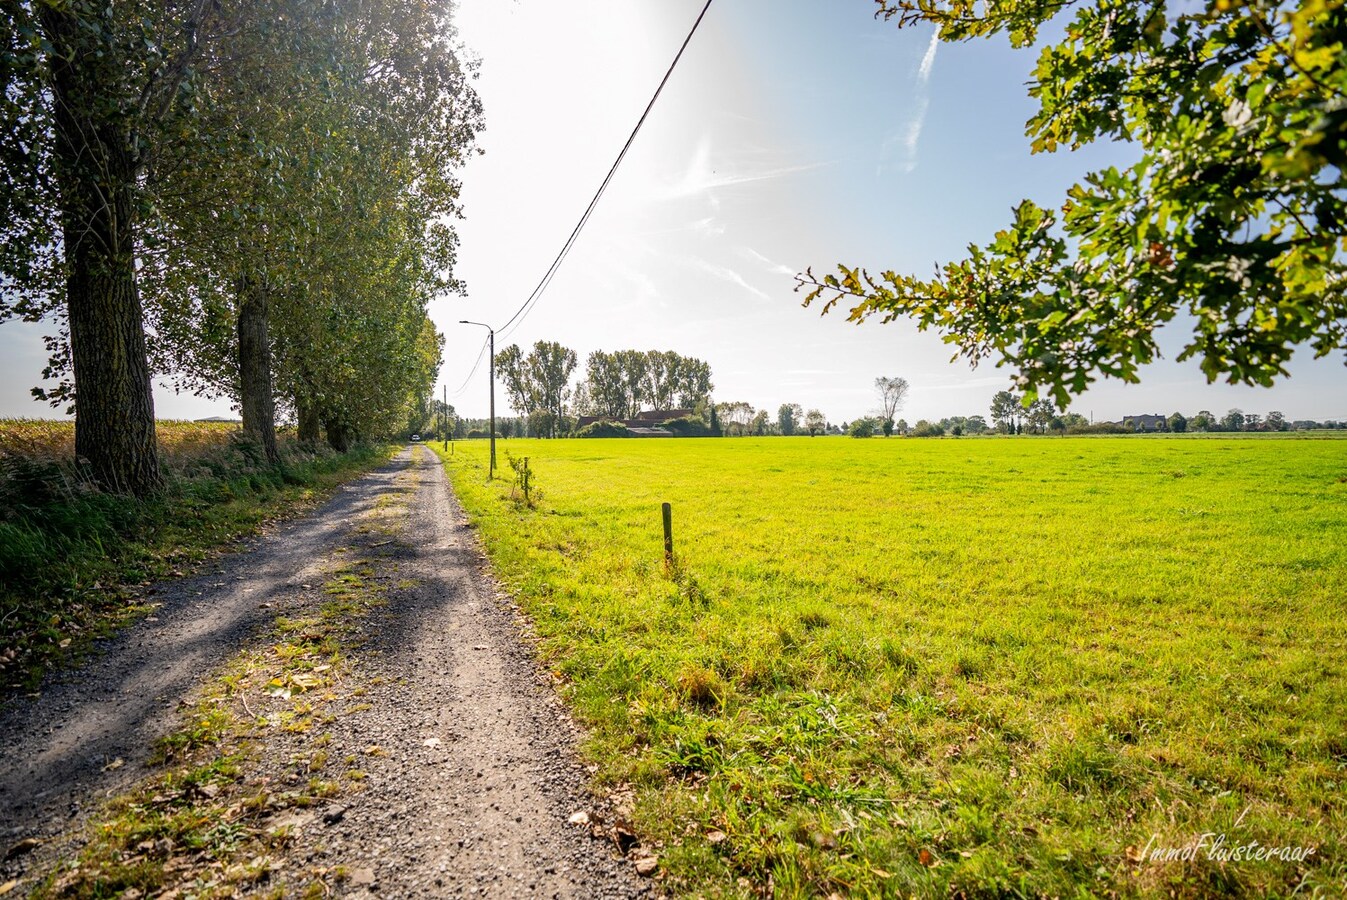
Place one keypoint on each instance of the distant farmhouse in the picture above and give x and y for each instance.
(646, 423)
(1146, 423)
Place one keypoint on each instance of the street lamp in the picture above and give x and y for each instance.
(491, 469)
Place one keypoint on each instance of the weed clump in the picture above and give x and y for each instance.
(524, 491)
(814, 619)
(701, 686)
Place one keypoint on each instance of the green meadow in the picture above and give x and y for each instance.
(957, 667)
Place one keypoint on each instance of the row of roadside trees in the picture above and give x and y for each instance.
(252, 199)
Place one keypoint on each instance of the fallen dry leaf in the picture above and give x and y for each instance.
(115, 764)
(624, 839)
(579, 818)
(293, 820)
(646, 865)
(8, 886)
(715, 836)
(305, 681)
(27, 845)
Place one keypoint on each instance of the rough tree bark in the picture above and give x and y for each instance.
(310, 423)
(255, 389)
(338, 435)
(96, 170)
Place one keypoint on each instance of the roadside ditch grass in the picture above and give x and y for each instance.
(75, 562)
(956, 668)
(252, 763)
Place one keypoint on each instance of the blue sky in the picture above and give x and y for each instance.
(794, 133)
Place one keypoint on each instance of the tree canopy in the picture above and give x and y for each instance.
(619, 384)
(269, 187)
(892, 394)
(1232, 223)
(538, 385)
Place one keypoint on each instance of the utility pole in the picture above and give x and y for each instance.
(491, 368)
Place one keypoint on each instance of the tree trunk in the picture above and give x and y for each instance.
(96, 171)
(310, 423)
(338, 438)
(255, 393)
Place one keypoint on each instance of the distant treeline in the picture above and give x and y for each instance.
(618, 387)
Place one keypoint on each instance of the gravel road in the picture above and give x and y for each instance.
(477, 775)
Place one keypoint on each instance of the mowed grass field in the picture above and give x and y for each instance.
(977, 667)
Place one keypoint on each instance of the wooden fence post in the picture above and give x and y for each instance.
(668, 536)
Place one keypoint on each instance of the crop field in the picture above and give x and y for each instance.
(980, 667)
(55, 439)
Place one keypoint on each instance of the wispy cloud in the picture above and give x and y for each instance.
(910, 136)
(928, 61)
(775, 268)
(709, 227)
(971, 382)
(647, 292)
(701, 178)
(725, 273)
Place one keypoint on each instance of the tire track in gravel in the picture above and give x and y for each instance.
(476, 775)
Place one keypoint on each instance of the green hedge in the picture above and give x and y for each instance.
(603, 429)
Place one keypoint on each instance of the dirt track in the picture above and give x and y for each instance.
(476, 777)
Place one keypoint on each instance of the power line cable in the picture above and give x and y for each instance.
(464, 386)
(527, 306)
